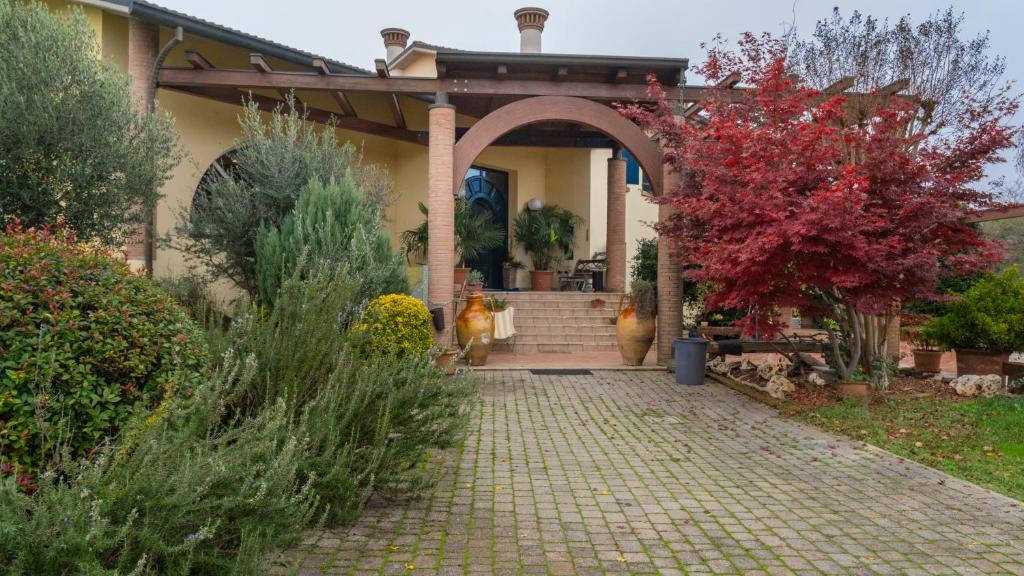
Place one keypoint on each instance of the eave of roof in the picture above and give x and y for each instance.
(156, 14)
(465, 56)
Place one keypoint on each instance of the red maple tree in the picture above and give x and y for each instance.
(791, 197)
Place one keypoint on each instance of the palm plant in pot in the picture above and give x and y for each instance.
(475, 233)
(985, 326)
(547, 235)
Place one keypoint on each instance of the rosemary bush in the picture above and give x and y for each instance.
(300, 423)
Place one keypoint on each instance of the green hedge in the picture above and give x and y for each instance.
(85, 344)
(989, 316)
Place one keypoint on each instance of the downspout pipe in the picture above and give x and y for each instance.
(148, 233)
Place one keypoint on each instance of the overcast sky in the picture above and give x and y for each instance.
(349, 30)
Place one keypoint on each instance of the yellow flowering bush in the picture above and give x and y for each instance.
(397, 323)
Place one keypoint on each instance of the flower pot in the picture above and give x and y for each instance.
(855, 389)
(460, 275)
(979, 362)
(541, 280)
(474, 327)
(634, 335)
(508, 278)
(474, 288)
(445, 361)
(927, 360)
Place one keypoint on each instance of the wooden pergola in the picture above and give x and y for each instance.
(516, 99)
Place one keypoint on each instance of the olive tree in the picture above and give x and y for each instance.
(74, 149)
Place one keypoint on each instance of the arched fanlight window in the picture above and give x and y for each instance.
(225, 166)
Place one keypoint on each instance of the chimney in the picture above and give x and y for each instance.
(395, 40)
(531, 24)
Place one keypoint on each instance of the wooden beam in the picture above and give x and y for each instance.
(186, 77)
(620, 76)
(197, 61)
(231, 96)
(894, 88)
(396, 111)
(442, 69)
(382, 68)
(996, 214)
(502, 71)
(221, 77)
(839, 86)
(259, 63)
(729, 82)
(562, 73)
(339, 97)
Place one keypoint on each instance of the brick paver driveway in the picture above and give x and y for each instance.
(625, 472)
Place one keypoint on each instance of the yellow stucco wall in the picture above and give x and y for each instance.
(572, 178)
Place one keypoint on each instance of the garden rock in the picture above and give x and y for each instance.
(719, 366)
(778, 385)
(816, 379)
(747, 365)
(971, 385)
(767, 370)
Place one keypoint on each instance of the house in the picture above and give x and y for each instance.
(501, 128)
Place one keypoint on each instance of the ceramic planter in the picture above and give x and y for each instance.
(460, 275)
(508, 278)
(541, 280)
(927, 360)
(474, 327)
(445, 361)
(855, 389)
(474, 288)
(979, 362)
(634, 335)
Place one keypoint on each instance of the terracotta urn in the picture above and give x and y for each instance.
(460, 275)
(541, 280)
(635, 335)
(475, 326)
(979, 362)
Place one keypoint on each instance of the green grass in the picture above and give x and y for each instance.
(981, 441)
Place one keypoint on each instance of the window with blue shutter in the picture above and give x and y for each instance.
(632, 168)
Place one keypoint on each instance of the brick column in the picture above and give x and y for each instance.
(616, 245)
(670, 285)
(441, 215)
(143, 49)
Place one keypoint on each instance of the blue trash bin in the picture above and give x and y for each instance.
(691, 356)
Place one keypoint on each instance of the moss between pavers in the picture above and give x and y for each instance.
(980, 440)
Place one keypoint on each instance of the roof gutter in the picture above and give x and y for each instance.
(124, 8)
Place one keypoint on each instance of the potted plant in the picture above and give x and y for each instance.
(985, 325)
(474, 281)
(509, 270)
(445, 359)
(547, 234)
(858, 385)
(635, 326)
(474, 234)
(927, 356)
(497, 305)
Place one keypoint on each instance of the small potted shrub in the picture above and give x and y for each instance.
(858, 385)
(927, 356)
(548, 235)
(474, 282)
(985, 326)
(509, 270)
(445, 359)
(496, 305)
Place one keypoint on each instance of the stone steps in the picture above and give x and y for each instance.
(562, 322)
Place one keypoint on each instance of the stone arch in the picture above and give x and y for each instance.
(564, 108)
